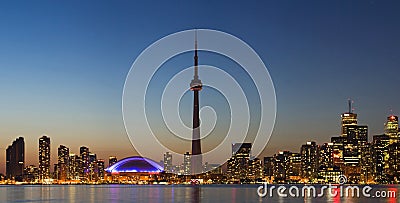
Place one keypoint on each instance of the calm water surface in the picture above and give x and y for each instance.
(158, 193)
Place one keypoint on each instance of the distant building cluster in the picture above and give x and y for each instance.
(70, 167)
(349, 154)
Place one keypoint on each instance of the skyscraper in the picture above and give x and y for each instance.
(392, 128)
(85, 161)
(74, 166)
(168, 162)
(187, 162)
(348, 118)
(281, 166)
(196, 86)
(268, 168)
(44, 158)
(93, 167)
(326, 155)
(63, 163)
(101, 167)
(393, 170)
(309, 160)
(238, 164)
(380, 157)
(15, 160)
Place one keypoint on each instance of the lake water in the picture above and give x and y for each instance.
(163, 193)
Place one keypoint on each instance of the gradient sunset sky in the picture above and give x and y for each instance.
(63, 65)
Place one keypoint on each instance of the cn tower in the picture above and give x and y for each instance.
(196, 86)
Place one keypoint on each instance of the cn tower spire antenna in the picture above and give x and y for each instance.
(350, 110)
(196, 58)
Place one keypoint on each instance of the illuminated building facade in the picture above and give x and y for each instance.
(281, 166)
(93, 167)
(329, 174)
(101, 168)
(380, 157)
(393, 171)
(326, 155)
(85, 162)
(15, 160)
(268, 170)
(63, 163)
(338, 150)
(309, 161)
(348, 118)
(238, 164)
(187, 162)
(31, 173)
(255, 169)
(112, 160)
(366, 164)
(392, 128)
(74, 167)
(357, 138)
(44, 158)
(168, 162)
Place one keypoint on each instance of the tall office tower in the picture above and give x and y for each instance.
(238, 164)
(63, 163)
(168, 162)
(85, 161)
(294, 166)
(348, 118)
(93, 167)
(392, 128)
(309, 160)
(366, 164)
(74, 169)
(326, 155)
(112, 160)
(187, 162)
(268, 168)
(255, 169)
(357, 138)
(101, 168)
(380, 157)
(281, 166)
(356, 141)
(196, 86)
(15, 160)
(338, 150)
(393, 171)
(44, 158)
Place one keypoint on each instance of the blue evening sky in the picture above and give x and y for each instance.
(63, 64)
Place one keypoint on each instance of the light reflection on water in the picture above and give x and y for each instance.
(161, 193)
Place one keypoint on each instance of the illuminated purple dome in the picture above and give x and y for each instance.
(135, 164)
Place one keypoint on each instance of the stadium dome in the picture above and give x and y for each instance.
(135, 164)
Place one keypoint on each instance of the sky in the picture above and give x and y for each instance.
(63, 65)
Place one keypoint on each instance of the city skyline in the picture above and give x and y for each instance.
(63, 72)
(349, 154)
(348, 122)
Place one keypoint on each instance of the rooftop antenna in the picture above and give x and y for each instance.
(350, 109)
